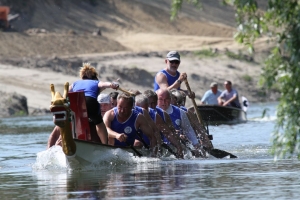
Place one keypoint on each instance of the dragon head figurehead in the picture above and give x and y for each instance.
(60, 108)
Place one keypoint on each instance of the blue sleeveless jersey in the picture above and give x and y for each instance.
(127, 127)
(171, 79)
(176, 117)
(152, 114)
(160, 112)
(141, 134)
(139, 109)
(90, 87)
(183, 108)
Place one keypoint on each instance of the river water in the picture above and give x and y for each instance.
(253, 175)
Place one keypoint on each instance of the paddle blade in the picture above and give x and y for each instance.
(220, 153)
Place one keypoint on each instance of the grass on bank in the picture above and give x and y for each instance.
(212, 53)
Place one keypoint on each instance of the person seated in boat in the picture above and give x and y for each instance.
(152, 100)
(142, 101)
(105, 103)
(170, 77)
(176, 100)
(178, 116)
(149, 121)
(210, 97)
(91, 86)
(229, 97)
(123, 122)
(113, 98)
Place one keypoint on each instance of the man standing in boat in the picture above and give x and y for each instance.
(229, 97)
(122, 123)
(170, 77)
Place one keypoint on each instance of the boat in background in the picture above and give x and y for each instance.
(216, 115)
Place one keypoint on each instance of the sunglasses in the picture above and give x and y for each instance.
(174, 61)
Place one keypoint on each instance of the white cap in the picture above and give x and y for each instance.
(103, 98)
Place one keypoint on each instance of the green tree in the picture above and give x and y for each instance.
(279, 20)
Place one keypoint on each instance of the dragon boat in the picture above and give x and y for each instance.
(80, 142)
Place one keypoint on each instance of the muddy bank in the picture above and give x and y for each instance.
(136, 71)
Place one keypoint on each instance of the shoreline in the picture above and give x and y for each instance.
(32, 77)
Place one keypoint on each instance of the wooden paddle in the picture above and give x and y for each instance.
(214, 152)
(125, 91)
(134, 149)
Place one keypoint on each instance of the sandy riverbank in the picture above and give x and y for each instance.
(132, 44)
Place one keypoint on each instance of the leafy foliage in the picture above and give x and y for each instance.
(279, 21)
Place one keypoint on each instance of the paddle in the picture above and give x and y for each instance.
(214, 152)
(134, 149)
(191, 150)
(142, 140)
(125, 91)
(164, 145)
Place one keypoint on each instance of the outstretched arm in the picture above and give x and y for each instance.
(104, 85)
(153, 127)
(171, 136)
(141, 123)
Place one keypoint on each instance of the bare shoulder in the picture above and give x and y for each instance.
(141, 119)
(109, 115)
(160, 76)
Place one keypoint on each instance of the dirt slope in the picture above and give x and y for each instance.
(66, 27)
(122, 39)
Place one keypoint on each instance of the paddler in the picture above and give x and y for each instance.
(142, 101)
(170, 78)
(177, 100)
(178, 116)
(91, 86)
(122, 123)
